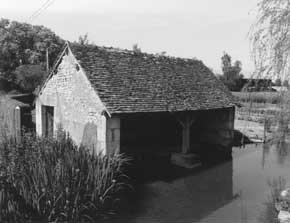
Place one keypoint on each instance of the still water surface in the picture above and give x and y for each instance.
(232, 191)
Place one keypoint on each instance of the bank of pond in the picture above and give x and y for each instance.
(53, 180)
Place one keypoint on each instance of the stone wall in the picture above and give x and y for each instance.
(77, 107)
(10, 117)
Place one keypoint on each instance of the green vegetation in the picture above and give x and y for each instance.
(23, 54)
(285, 83)
(232, 76)
(258, 97)
(27, 53)
(270, 39)
(53, 180)
(278, 82)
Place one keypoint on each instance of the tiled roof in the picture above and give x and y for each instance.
(129, 81)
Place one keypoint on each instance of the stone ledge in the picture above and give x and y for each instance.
(282, 205)
(188, 161)
(284, 217)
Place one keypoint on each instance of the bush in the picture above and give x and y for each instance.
(258, 97)
(53, 180)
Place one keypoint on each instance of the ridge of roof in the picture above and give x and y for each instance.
(136, 53)
(128, 81)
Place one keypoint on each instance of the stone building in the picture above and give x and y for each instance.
(120, 100)
(15, 115)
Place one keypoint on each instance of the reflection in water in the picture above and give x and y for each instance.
(282, 151)
(210, 190)
(235, 190)
(181, 195)
(269, 214)
(278, 183)
(266, 150)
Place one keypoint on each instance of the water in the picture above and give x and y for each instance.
(236, 190)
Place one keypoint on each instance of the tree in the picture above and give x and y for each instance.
(270, 38)
(285, 83)
(278, 82)
(29, 76)
(84, 40)
(232, 76)
(136, 48)
(163, 53)
(23, 44)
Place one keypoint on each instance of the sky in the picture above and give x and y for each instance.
(201, 29)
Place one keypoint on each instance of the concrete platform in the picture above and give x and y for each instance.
(188, 161)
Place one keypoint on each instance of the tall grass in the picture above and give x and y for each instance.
(53, 180)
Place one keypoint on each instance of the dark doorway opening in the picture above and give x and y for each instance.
(47, 120)
(26, 119)
(150, 139)
(150, 132)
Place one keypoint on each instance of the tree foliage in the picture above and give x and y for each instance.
(285, 83)
(29, 76)
(278, 82)
(84, 40)
(232, 76)
(22, 47)
(136, 48)
(270, 38)
(270, 41)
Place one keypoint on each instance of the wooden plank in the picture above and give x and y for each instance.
(186, 120)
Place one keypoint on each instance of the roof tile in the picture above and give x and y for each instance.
(128, 81)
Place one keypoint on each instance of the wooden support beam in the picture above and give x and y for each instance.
(186, 139)
(186, 121)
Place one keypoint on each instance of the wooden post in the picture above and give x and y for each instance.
(47, 61)
(186, 138)
(265, 129)
(186, 124)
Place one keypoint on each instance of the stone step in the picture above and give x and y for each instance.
(188, 161)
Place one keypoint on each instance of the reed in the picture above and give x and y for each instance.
(53, 180)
